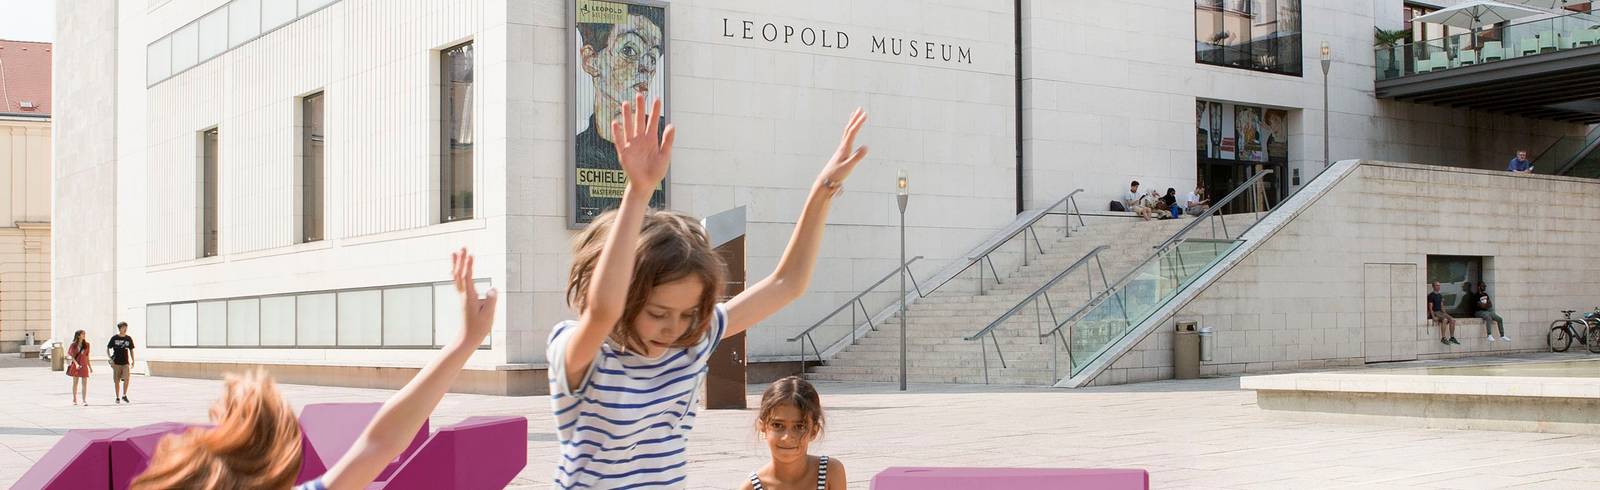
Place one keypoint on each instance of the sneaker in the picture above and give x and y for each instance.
(116, 400)
(1454, 341)
(125, 399)
(1444, 341)
(1505, 338)
(1491, 338)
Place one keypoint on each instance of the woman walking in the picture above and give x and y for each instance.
(78, 366)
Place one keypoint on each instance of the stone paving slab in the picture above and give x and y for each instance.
(1196, 434)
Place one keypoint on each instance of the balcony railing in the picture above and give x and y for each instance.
(1511, 41)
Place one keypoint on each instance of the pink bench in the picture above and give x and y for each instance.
(329, 429)
(132, 450)
(903, 478)
(81, 459)
(478, 453)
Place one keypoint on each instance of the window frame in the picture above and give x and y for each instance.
(446, 164)
(1299, 34)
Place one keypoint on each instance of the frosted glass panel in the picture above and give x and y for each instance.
(158, 60)
(306, 6)
(158, 325)
(314, 315)
(244, 322)
(408, 316)
(213, 323)
(244, 22)
(275, 13)
(184, 325)
(185, 47)
(277, 319)
(214, 33)
(361, 318)
(447, 312)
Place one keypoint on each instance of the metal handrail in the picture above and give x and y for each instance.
(1070, 201)
(1248, 183)
(1591, 143)
(854, 300)
(1043, 290)
(1176, 239)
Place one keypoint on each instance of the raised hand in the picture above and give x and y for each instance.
(847, 156)
(478, 312)
(643, 154)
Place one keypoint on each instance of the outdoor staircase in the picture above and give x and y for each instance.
(937, 351)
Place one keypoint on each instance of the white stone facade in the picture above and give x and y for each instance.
(1343, 283)
(1109, 91)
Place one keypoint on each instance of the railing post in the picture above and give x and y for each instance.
(980, 280)
(1025, 246)
(997, 353)
(1037, 329)
(985, 361)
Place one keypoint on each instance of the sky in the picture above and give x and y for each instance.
(28, 20)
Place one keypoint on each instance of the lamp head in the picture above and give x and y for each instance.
(1325, 51)
(902, 185)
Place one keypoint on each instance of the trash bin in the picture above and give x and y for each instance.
(1186, 351)
(56, 353)
(1208, 343)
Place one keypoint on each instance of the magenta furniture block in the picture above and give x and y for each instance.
(310, 462)
(80, 460)
(329, 429)
(132, 450)
(902, 478)
(478, 453)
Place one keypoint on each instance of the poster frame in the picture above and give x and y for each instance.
(570, 114)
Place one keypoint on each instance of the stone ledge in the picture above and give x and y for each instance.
(1421, 384)
(523, 382)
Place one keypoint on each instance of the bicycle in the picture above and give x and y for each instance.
(1585, 329)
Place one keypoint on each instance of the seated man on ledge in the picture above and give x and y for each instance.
(1447, 324)
(1483, 307)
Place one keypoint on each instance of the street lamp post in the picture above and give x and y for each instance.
(902, 193)
(1326, 61)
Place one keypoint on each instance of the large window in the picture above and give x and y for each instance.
(455, 139)
(208, 193)
(399, 316)
(311, 141)
(1453, 272)
(1259, 35)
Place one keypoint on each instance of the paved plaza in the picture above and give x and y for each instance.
(1188, 434)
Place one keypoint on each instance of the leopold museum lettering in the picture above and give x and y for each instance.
(822, 38)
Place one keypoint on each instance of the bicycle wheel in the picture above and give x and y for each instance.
(1560, 338)
(1593, 339)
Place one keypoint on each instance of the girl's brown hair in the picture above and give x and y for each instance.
(795, 391)
(255, 443)
(79, 341)
(671, 246)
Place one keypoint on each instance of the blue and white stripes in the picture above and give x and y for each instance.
(626, 426)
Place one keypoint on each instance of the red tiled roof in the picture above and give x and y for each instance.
(24, 77)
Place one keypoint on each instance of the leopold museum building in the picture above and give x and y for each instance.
(280, 182)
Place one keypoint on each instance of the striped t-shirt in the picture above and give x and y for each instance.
(625, 426)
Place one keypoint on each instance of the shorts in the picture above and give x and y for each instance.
(119, 372)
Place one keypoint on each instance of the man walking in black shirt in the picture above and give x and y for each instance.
(120, 349)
